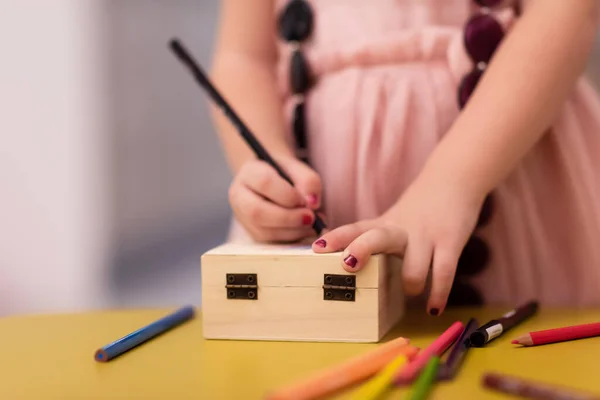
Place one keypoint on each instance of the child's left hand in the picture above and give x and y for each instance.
(428, 227)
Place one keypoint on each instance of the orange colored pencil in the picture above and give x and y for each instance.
(346, 374)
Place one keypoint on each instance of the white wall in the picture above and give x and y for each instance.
(54, 216)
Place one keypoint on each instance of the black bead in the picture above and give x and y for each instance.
(300, 76)
(300, 126)
(487, 210)
(462, 295)
(296, 21)
(473, 258)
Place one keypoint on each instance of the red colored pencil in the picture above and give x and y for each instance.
(559, 334)
(410, 371)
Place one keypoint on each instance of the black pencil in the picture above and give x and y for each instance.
(243, 130)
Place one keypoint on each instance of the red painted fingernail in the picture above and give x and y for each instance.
(351, 261)
(321, 243)
(307, 220)
(434, 311)
(312, 199)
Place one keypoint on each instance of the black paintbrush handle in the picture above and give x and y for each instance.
(202, 78)
(251, 139)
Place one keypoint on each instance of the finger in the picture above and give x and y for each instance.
(276, 235)
(306, 181)
(445, 260)
(387, 240)
(257, 211)
(337, 239)
(264, 180)
(415, 265)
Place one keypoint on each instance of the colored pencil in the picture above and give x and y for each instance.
(532, 390)
(355, 370)
(424, 383)
(202, 78)
(437, 348)
(377, 386)
(448, 370)
(144, 334)
(559, 334)
(497, 327)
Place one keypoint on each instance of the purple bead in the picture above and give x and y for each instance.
(488, 3)
(487, 209)
(296, 21)
(299, 126)
(473, 258)
(463, 295)
(483, 34)
(467, 86)
(299, 74)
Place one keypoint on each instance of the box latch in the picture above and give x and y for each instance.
(339, 287)
(242, 286)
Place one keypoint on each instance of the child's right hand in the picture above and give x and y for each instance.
(268, 207)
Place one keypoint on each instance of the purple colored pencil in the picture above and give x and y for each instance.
(457, 355)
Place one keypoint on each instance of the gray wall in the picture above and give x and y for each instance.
(170, 176)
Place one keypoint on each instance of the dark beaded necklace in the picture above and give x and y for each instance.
(295, 26)
(482, 35)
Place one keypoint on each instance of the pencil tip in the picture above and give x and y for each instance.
(515, 342)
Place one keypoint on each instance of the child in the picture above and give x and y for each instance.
(457, 134)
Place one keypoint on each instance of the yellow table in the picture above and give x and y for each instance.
(51, 357)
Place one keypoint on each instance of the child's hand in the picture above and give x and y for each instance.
(428, 227)
(270, 208)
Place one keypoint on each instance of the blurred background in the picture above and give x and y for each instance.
(112, 181)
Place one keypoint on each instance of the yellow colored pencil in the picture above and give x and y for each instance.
(374, 388)
(323, 383)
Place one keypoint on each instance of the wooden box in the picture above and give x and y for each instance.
(290, 293)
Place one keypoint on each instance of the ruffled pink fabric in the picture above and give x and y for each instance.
(387, 74)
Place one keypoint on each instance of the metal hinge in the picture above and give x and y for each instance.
(339, 287)
(242, 286)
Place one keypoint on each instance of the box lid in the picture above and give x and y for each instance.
(286, 265)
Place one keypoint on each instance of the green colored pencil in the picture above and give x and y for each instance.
(422, 386)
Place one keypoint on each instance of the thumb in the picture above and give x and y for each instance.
(306, 180)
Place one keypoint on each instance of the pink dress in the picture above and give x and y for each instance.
(387, 73)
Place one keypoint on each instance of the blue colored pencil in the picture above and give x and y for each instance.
(144, 334)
